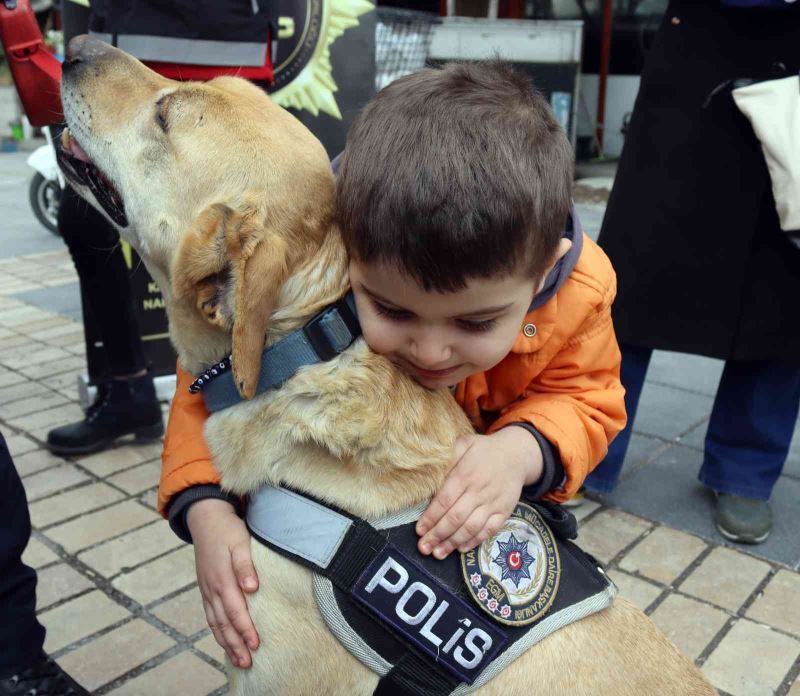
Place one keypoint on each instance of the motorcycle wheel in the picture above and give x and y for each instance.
(45, 197)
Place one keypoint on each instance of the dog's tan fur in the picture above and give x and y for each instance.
(231, 212)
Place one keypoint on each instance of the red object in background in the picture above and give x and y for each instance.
(36, 71)
(605, 58)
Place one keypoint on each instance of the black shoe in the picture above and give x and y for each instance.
(123, 407)
(45, 678)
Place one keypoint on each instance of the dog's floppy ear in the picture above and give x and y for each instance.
(233, 266)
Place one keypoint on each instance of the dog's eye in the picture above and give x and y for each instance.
(162, 107)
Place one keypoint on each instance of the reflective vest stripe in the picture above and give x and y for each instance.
(168, 49)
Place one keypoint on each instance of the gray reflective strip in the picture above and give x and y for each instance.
(169, 49)
(576, 612)
(336, 623)
(395, 519)
(296, 524)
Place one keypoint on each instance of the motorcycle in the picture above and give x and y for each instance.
(47, 184)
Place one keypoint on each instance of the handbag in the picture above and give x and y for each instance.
(773, 109)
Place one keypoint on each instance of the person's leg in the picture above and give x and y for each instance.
(21, 635)
(24, 667)
(103, 275)
(632, 373)
(126, 402)
(751, 427)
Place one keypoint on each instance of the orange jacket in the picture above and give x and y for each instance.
(564, 380)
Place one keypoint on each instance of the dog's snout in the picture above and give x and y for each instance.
(84, 48)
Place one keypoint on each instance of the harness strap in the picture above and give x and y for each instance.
(339, 547)
(412, 675)
(329, 541)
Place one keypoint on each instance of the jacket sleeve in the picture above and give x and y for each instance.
(185, 460)
(576, 402)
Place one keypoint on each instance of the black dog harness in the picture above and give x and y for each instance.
(428, 627)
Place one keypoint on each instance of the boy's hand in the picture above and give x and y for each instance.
(224, 570)
(480, 491)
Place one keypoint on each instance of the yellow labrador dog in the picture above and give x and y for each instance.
(228, 200)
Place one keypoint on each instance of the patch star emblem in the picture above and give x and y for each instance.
(514, 575)
(514, 560)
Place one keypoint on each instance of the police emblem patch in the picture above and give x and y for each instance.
(514, 575)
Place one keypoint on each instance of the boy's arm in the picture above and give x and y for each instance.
(576, 404)
(187, 471)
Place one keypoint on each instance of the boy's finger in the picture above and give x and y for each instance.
(231, 637)
(450, 492)
(492, 526)
(471, 527)
(449, 523)
(239, 617)
(243, 567)
(216, 631)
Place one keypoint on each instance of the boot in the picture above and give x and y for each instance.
(123, 407)
(45, 678)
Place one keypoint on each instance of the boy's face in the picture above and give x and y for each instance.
(438, 338)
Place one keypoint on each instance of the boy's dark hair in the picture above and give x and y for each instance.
(456, 173)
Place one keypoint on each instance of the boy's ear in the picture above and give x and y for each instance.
(232, 267)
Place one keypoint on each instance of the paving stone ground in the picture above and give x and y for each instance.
(117, 591)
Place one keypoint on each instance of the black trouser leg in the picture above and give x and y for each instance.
(21, 635)
(94, 246)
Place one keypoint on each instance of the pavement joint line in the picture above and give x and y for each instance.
(65, 489)
(791, 676)
(674, 586)
(135, 609)
(47, 527)
(590, 516)
(712, 645)
(127, 570)
(156, 603)
(671, 588)
(111, 538)
(85, 640)
(625, 549)
(146, 666)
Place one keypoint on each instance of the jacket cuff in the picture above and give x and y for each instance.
(179, 507)
(552, 468)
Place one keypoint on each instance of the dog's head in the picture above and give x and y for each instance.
(219, 190)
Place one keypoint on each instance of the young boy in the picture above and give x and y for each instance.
(453, 198)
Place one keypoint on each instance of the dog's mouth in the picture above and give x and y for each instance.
(79, 168)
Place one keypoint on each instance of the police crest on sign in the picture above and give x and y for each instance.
(514, 575)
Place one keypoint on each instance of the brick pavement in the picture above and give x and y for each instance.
(117, 591)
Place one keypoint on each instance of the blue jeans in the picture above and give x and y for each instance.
(749, 433)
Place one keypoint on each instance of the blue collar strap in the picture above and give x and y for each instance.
(327, 335)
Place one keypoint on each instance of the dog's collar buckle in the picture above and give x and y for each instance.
(325, 336)
(327, 345)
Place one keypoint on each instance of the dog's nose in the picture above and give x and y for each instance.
(84, 48)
